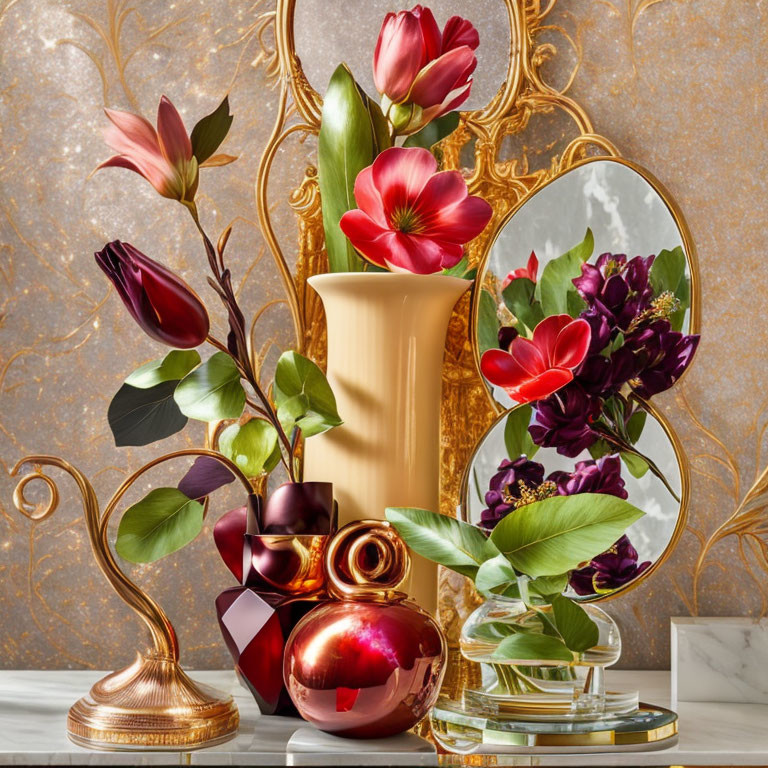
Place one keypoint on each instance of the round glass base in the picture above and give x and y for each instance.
(569, 706)
(462, 728)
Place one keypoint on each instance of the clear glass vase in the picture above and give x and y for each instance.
(540, 688)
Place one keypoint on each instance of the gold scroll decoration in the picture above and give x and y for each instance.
(152, 703)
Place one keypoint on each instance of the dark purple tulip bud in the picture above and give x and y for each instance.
(165, 307)
(507, 334)
(504, 488)
(609, 571)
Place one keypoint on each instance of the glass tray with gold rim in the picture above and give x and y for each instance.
(459, 727)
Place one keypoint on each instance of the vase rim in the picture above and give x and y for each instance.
(381, 284)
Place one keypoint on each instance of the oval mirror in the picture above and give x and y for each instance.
(602, 255)
(662, 493)
(626, 211)
(327, 33)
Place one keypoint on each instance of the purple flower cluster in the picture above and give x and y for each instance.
(632, 342)
(620, 301)
(609, 571)
(505, 491)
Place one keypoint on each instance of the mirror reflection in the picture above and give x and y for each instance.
(329, 31)
(508, 469)
(612, 203)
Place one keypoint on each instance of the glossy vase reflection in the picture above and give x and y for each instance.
(540, 686)
(365, 669)
(386, 337)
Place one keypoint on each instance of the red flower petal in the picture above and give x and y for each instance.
(442, 76)
(365, 235)
(399, 55)
(501, 368)
(430, 33)
(572, 344)
(528, 355)
(368, 198)
(420, 255)
(545, 335)
(400, 174)
(541, 386)
(133, 131)
(462, 222)
(174, 140)
(533, 267)
(458, 32)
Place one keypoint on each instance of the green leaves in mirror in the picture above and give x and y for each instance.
(353, 131)
(668, 273)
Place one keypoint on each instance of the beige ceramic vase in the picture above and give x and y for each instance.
(386, 337)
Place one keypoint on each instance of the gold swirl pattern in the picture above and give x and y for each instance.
(367, 560)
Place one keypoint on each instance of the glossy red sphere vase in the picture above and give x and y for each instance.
(368, 665)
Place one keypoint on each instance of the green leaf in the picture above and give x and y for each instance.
(555, 535)
(210, 131)
(493, 573)
(142, 416)
(668, 273)
(487, 322)
(164, 521)
(636, 465)
(578, 631)
(496, 630)
(531, 647)
(249, 445)
(173, 367)
(636, 424)
(600, 448)
(434, 131)
(517, 439)
(213, 391)
(458, 270)
(556, 280)
(546, 586)
(303, 395)
(442, 539)
(519, 299)
(351, 135)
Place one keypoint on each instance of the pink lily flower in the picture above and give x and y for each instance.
(163, 156)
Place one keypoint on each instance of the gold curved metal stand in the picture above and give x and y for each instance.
(152, 703)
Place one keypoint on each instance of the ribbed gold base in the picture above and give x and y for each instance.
(153, 705)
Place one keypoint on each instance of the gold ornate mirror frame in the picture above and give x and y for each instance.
(506, 184)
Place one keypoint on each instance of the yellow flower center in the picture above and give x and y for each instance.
(406, 220)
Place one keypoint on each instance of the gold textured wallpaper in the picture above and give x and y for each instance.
(678, 85)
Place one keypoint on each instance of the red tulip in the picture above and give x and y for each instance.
(530, 271)
(165, 307)
(410, 217)
(421, 73)
(163, 157)
(534, 368)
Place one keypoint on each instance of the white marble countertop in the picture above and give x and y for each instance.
(33, 707)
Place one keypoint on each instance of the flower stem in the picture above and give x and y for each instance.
(222, 284)
(626, 447)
